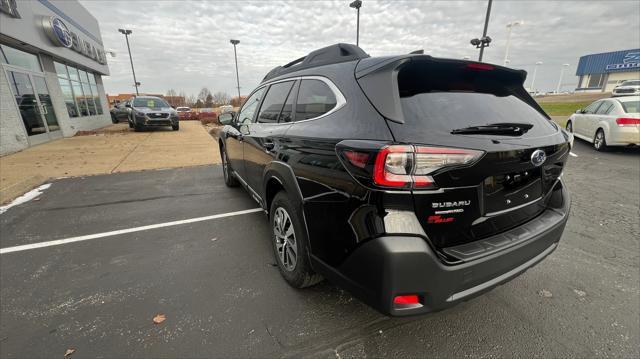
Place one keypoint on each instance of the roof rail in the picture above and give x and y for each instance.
(325, 56)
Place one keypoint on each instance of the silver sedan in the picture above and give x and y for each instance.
(608, 122)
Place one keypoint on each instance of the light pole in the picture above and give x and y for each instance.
(357, 4)
(510, 26)
(126, 36)
(235, 55)
(485, 40)
(560, 79)
(533, 79)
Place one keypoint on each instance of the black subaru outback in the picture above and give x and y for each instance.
(415, 182)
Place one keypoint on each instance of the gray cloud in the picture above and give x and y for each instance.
(184, 45)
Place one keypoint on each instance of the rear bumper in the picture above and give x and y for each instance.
(623, 136)
(385, 267)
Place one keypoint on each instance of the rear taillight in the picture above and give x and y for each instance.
(625, 121)
(405, 166)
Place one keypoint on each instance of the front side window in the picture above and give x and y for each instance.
(592, 108)
(274, 102)
(250, 107)
(315, 99)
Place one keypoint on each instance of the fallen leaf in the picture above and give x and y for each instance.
(159, 318)
(69, 352)
(545, 293)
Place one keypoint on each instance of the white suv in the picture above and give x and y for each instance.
(627, 88)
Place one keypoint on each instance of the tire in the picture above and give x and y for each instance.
(569, 127)
(175, 127)
(289, 241)
(229, 179)
(114, 119)
(600, 142)
(137, 127)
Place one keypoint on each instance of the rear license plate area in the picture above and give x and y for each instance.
(506, 191)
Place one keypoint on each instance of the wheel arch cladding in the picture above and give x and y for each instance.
(279, 176)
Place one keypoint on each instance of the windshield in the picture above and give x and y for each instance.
(447, 111)
(631, 83)
(149, 102)
(631, 106)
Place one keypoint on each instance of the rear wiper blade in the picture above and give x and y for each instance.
(508, 129)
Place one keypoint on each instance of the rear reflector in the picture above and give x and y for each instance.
(406, 299)
(358, 159)
(623, 121)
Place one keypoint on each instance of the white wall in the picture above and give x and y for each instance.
(616, 77)
(13, 137)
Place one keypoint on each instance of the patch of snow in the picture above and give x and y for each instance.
(25, 197)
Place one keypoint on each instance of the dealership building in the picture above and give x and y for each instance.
(52, 61)
(602, 72)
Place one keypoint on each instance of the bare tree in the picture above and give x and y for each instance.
(183, 98)
(202, 96)
(172, 98)
(221, 98)
(191, 100)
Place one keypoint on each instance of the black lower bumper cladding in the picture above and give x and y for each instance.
(390, 266)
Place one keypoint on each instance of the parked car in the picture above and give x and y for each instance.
(207, 113)
(186, 113)
(226, 108)
(608, 122)
(414, 182)
(627, 88)
(120, 111)
(151, 111)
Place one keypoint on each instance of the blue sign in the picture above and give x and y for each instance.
(630, 61)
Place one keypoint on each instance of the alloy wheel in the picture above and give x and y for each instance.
(225, 166)
(285, 238)
(599, 140)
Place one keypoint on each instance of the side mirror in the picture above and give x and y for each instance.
(128, 105)
(226, 118)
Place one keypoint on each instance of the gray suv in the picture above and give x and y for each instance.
(150, 111)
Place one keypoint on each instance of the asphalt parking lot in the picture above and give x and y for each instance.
(214, 278)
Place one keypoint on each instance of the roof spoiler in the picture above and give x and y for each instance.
(325, 56)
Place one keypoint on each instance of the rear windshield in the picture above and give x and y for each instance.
(631, 106)
(450, 96)
(447, 111)
(149, 102)
(631, 83)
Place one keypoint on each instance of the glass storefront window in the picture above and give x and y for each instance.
(96, 97)
(92, 79)
(61, 70)
(18, 58)
(87, 95)
(73, 73)
(79, 97)
(67, 92)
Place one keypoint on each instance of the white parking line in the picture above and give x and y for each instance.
(87, 237)
(573, 154)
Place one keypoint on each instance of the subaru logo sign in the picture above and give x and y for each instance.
(57, 31)
(62, 32)
(538, 157)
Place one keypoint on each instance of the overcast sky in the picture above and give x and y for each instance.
(184, 45)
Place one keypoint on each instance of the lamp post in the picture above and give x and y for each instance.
(126, 36)
(510, 26)
(485, 40)
(560, 79)
(357, 4)
(235, 55)
(533, 79)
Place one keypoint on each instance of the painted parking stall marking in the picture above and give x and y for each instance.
(87, 237)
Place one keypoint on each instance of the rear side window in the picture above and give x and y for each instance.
(274, 102)
(605, 108)
(315, 99)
